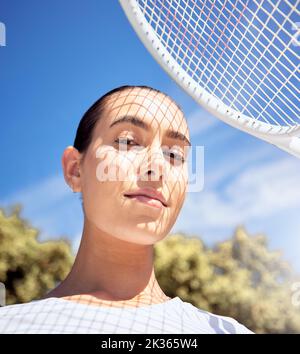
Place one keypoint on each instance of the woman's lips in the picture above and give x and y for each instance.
(147, 200)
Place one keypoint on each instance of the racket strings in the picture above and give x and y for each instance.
(268, 72)
(275, 91)
(283, 112)
(241, 52)
(238, 19)
(271, 42)
(217, 86)
(206, 77)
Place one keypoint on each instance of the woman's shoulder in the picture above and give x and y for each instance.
(39, 314)
(218, 323)
(22, 308)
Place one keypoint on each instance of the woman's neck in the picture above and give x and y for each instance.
(109, 271)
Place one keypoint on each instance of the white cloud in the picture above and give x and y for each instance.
(40, 195)
(49, 206)
(257, 192)
(201, 121)
(263, 190)
(234, 161)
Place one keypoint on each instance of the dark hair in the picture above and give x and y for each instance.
(93, 114)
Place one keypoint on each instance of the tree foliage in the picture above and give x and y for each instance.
(29, 268)
(239, 278)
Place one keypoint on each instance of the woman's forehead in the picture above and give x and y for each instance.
(152, 107)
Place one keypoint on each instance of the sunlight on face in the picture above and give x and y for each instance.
(140, 142)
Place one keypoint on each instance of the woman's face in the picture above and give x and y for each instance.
(133, 152)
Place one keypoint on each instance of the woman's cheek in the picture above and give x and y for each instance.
(114, 165)
(104, 155)
(178, 174)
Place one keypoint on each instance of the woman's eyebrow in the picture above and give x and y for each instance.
(141, 124)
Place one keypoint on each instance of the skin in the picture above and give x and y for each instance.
(114, 263)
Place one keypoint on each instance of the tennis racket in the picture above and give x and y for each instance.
(238, 59)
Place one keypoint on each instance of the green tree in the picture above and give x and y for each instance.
(29, 268)
(239, 278)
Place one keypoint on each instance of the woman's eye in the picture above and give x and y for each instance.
(125, 141)
(176, 156)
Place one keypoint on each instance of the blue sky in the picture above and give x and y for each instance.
(60, 56)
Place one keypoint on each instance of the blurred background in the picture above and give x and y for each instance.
(235, 247)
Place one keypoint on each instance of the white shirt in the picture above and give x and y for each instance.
(57, 315)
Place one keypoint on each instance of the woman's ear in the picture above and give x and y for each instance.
(71, 168)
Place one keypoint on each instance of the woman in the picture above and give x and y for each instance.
(129, 164)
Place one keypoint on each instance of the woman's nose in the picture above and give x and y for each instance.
(153, 166)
